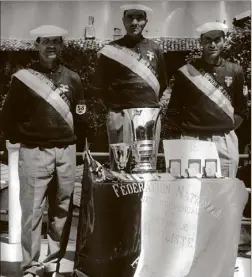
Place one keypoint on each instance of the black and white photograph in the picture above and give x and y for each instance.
(125, 138)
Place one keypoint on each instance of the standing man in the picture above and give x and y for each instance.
(44, 111)
(208, 98)
(130, 73)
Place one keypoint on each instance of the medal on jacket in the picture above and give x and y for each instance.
(228, 81)
(81, 107)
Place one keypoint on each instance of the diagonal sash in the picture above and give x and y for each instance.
(128, 58)
(45, 91)
(209, 89)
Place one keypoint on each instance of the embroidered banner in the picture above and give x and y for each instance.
(185, 227)
(44, 88)
(133, 61)
(209, 87)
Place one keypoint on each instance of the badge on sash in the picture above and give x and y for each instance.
(64, 88)
(81, 108)
(150, 55)
(228, 81)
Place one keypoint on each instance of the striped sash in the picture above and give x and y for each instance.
(44, 88)
(133, 61)
(210, 88)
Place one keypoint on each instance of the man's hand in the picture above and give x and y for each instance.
(164, 100)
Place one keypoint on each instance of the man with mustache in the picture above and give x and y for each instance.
(45, 113)
(131, 73)
(208, 99)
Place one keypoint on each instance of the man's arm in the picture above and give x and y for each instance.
(174, 108)
(162, 76)
(239, 100)
(175, 104)
(11, 111)
(79, 114)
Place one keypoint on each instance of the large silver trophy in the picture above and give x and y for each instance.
(121, 153)
(145, 138)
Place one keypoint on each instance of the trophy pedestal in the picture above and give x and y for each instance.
(144, 156)
(143, 168)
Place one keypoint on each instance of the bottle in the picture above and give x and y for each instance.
(117, 33)
(90, 30)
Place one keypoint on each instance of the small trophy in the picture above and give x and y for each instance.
(210, 168)
(175, 168)
(121, 152)
(194, 168)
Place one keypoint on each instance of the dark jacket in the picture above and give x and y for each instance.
(27, 118)
(193, 113)
(119, 87)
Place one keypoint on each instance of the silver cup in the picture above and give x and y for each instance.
(121, 153)
(143, 122)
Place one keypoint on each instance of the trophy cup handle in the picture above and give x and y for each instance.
(159, 112)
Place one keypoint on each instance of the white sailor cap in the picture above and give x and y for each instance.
(136, 7)
(48, 31)
(211, 26)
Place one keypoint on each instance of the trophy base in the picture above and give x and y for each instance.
(143, 169)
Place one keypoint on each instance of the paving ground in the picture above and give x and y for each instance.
(11, 257)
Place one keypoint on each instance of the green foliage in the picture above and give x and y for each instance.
(238, 49)
(84, 63)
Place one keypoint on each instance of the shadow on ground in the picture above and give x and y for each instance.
(12, 269)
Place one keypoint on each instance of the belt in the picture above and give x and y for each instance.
(41, 147)
(204, 136)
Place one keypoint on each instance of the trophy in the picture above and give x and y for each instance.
(121, 152)
(143, 122)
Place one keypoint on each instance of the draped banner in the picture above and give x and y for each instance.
(191, 228)
(153, 225)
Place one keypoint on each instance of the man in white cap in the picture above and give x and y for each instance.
(208, 98)
(44, 111)
(131, 73)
